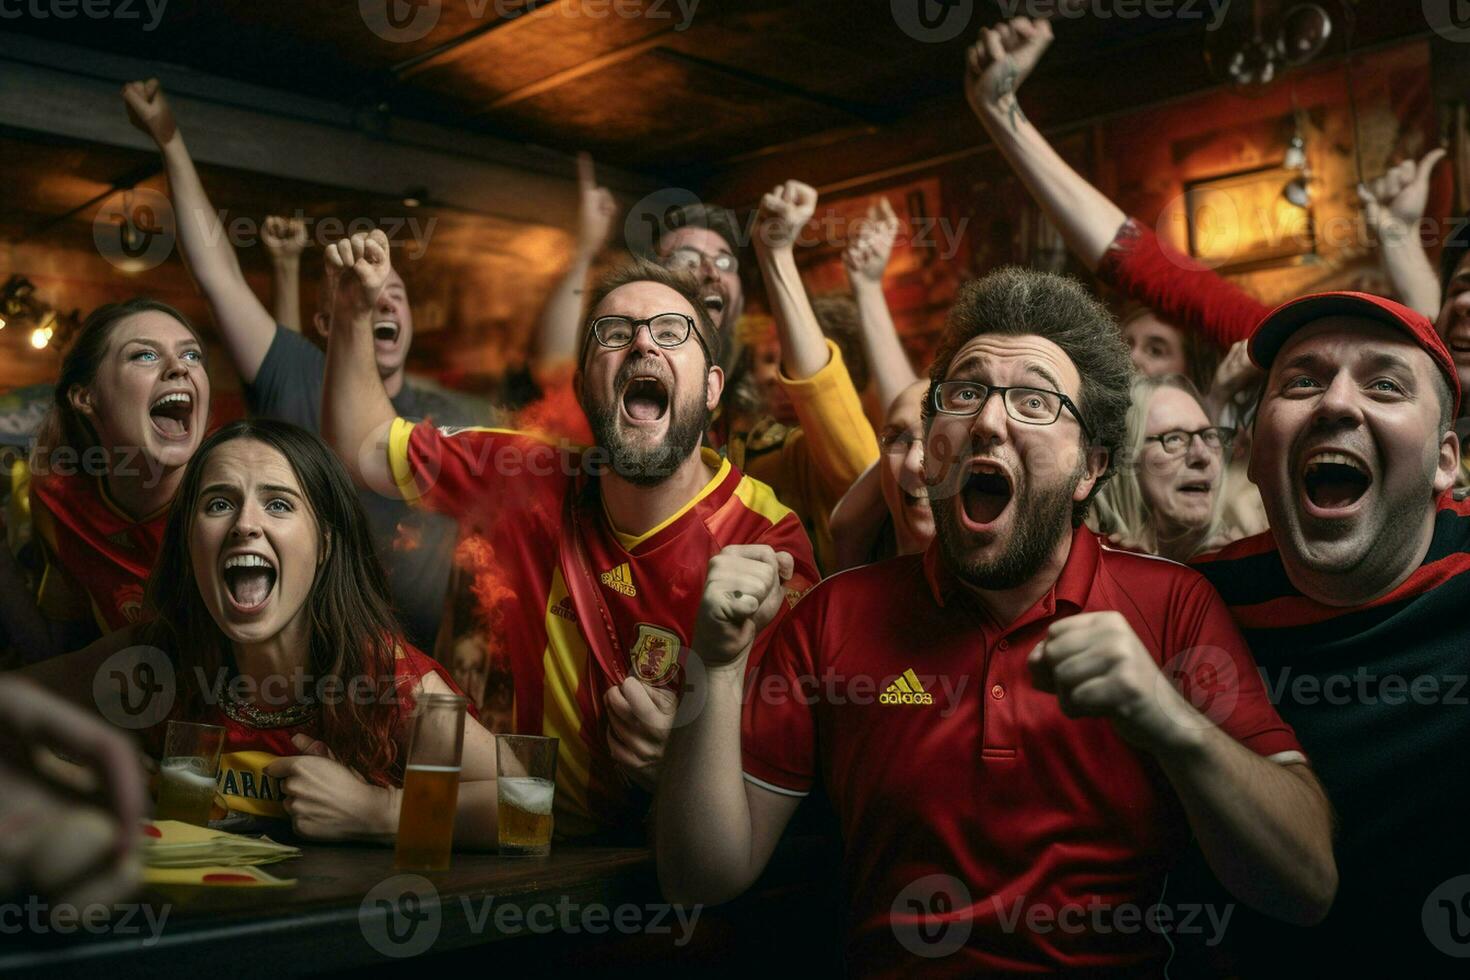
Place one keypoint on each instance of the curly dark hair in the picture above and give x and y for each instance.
(1016, 301)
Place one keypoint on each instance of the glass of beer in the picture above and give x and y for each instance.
(186, 775)
(525, 768)
(430, 783)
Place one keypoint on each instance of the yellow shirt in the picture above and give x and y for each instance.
(810, 466)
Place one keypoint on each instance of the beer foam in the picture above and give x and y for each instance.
(188, 771)
(529, 793)
(431, 769)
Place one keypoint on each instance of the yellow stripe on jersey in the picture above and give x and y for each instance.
(398, 460)
(760, 498)
(564, 664)
(711, 458)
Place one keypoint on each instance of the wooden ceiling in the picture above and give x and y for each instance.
(715, 95)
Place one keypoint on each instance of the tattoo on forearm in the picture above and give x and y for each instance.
(1005, 94)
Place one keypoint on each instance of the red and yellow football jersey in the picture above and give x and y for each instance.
(243, 788)
(575, 605)
(97, 557)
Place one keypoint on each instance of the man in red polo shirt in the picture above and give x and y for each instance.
(1018, 729)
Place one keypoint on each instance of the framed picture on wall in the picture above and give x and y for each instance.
(1251, 219)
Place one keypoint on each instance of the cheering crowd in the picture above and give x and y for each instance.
(1162, 610)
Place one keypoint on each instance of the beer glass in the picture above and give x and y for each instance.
(430, 783)
(525, 769)
(187, 773)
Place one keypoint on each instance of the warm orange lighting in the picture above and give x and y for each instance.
(39, 340)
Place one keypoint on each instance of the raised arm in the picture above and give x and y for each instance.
(560, 326)
(714, 831)
(284, 238)
(1122, 251)
(782, 214)
(866, 258)
(1394, 205)
(997, 65)
(357, 415)
(246, 327)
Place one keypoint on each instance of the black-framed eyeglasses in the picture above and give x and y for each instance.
(686, 258)
(667, 330)
(1176, 441)
(1033, 406)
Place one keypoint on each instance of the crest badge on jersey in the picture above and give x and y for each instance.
(655, 654)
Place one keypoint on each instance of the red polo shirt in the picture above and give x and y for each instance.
(1054, 837)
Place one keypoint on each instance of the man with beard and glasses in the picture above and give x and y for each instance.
(999, 721)
(1354, 604)
(600, 553)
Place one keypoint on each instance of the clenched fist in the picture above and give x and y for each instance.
(1394, 203)
(640, 718)
(743, 592)
(284, 238)
(867, 255)
(783, 213)
(596, 211)
(999, 62)
(1098, 668)
(360, 266)
(149, 110)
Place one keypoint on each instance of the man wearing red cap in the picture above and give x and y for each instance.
(1355, 605)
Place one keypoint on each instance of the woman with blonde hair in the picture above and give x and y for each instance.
(1165, 498)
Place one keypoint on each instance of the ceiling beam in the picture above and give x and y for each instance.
(286, 136)
(591, 66)
(855, 110)
(459, 47)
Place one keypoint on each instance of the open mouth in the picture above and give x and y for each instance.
(173, 414)
(1196, 488)
(645, 399)
(385, 331)
(250, 579)
(986, 495)
(714, 302)
(1335, 481)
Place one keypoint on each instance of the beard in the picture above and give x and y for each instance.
(1042, 517)
(642, 463)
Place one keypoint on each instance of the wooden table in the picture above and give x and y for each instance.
(591, 908)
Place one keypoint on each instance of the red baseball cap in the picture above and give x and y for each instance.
(1277, 327)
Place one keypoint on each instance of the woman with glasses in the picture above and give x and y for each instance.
(1165, 498)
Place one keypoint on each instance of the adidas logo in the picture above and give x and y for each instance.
(620, 580)
(906, 690)
(565, 610)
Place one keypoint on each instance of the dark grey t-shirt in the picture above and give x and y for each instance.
(416, 548)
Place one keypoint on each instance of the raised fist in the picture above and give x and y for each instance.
(1394, 203)
(597, 209)
(743, 592)
(284, 238)
(999, 61)
(360, 267)
(783, 213)
(867, 255)
(149, 110)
